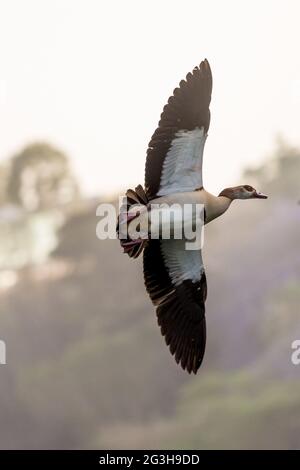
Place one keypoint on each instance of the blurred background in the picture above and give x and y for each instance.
(82, 84)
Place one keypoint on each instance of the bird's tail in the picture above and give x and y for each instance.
(135, 197)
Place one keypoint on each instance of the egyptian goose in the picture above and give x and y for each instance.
(174, 276)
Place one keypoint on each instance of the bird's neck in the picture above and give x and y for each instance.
(224, 203)
(216, 206)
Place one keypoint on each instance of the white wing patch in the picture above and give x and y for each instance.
(181, 264)
(182, 167)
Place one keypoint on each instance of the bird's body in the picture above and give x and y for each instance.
(174, 275)
(214, 206)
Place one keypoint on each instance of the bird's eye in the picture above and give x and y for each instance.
(248, 188)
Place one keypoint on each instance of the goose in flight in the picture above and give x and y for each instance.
(174, 276)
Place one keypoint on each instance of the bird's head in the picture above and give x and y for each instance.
(242, 192)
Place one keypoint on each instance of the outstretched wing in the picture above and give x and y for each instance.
(174, 155)
(176, 283)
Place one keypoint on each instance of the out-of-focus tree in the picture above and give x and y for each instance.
(279, 175)
(41, 178)
(4, 173)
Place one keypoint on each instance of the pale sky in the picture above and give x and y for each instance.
(92, 77)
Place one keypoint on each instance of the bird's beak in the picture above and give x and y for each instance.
(258, 195)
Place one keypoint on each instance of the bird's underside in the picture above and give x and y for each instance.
(174, 277)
